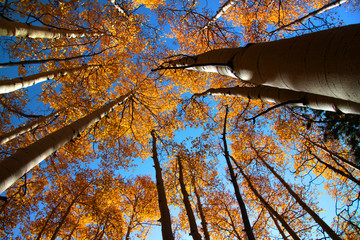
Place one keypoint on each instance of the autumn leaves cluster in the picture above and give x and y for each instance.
(103, 51)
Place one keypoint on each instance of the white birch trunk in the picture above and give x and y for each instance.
(324, 63)
(228, 4)
(18, 29)
(14, 84)
(26, 128)
(15, 166)
(277, 95)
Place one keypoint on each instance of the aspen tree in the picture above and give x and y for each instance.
(22, 161)
(324, 63)
(18, 29)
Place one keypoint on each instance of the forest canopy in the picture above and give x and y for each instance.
(183, 119)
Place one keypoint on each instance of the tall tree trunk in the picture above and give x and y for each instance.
(324, 8)
(119, 8)
(245, 218)
(316, 217)
(68, 210)
(278, 226)
(18, 111)
(165, 219)
(285, 96)
(332, 153)
(324, 63)
(26, 128)
(15, 166)
(192, 221)
(267, 205)
(228, 4)
(14, 84)
(18, 29)
(39, 61)
(338, 171)
(200, 209)
(48, 219)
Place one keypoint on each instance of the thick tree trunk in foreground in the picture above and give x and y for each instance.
(165, 219)
(14, 84)
(26, 128)
(325, 63)
(316, 217)
(18, 29)
(267, 205)
(245, 218)
(15, 166)
(277, 95)
(190, 213)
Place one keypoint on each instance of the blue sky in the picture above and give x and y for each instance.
(146, 168)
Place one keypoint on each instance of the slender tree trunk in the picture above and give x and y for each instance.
(18, 112)
(245, 218)
(14, 84)
(323, 63)
(316, 217)
(48, 219)
(285, 96)
(192, 221)
(163, 206)
(38, 61)
(14, 167)
(324, 8)
(349, 163)
(18, 29)
(73, 229)
(26, 128)
(62, 221)
(201, 211)
(346, 175)
(267, 205)
(228, 4)
(119, 8)
(278, 226)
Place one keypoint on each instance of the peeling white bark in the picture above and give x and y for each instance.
(15, 166)
(325, 63)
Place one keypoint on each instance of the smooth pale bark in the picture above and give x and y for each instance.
(324, 8)
(18, 29)
(316, 217)
(277, 95)
(15, 166)
(26, 128)
(14, 84)
(267, 205)
(39, 61)
(119, 8)
(189, 212)
(228, 4)
(325, 63)
(245, 218)
(165, 219)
